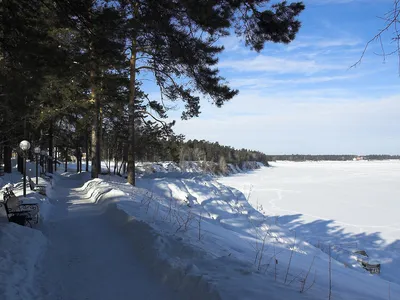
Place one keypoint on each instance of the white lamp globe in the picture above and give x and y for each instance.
(24, 145)
(37, 150)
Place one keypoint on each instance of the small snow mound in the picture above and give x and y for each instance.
(89, 184)
(20, 250)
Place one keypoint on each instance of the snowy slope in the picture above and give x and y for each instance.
(218, 222)
(162, 168)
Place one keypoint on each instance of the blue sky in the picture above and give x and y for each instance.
(304, 97)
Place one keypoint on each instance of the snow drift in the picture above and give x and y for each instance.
(20, 250)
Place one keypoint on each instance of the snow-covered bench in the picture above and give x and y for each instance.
(16, 211)
(40, 188)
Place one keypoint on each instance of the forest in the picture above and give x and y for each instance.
(76, 76)
(341, 157)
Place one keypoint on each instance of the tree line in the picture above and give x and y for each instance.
(210, 156)
(195, 150)
(309, 157)
(73, 72)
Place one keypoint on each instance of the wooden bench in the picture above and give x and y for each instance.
(16, 211)
(40, 188)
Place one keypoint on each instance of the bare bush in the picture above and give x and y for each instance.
(291, 256)
(303, 282)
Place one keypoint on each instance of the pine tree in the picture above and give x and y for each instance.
(72, 71)
(175, 42)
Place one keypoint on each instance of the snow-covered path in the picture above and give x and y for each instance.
(88, 257)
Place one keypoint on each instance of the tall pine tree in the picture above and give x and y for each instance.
(175, 42)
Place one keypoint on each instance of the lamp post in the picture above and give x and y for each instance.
(25, 146)
(42, 154)
(37, 152)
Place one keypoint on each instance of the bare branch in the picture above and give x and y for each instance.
(392, 19)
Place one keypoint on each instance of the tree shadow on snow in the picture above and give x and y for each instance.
(325, 234)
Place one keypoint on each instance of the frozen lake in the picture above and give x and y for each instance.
(352, 201)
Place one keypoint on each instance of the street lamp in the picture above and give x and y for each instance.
(42, 154)
(25, 146)
(37, 152)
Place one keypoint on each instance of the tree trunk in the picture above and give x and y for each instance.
(95, 128)
(77, 159)
(120, 167)
(80, 161)
(7, 159)
(131, 108)
(95, 101)
(55, 160)
(115, 164)
(66, 160)
(50, 160)
(87, 152)
(99, 136)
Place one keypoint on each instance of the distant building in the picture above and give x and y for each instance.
(359, 158)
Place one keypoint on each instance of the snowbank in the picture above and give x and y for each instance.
(197, 230)
(162, 254)
(20, 250)
(199, 167)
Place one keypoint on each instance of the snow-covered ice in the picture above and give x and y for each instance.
(353, 204)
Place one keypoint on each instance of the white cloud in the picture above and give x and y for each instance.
(280, 65)
(318, 42)
(285, 125)
(265, 82)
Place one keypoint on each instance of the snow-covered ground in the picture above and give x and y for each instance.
(20, 248)
(217, 220)
(167, 167)
(354, 204)
(89, 257)
(189, 236)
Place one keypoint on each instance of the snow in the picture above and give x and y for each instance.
(231, 234)
(20, 249)
(97, 252)
(189, 235)
(346, 204)
(168, 167)
(349, 192)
